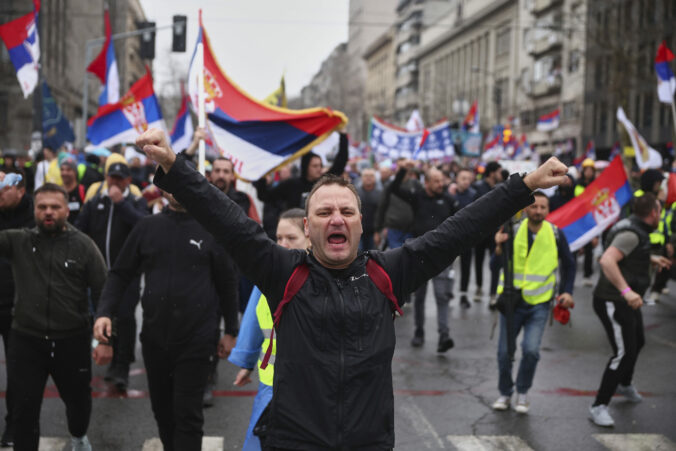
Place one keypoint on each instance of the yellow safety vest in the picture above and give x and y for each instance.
(265, 323)
(534, 271)
(579, 189)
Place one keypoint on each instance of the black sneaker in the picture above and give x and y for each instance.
(418, 339)
(7, 440)
(445, 343)
(464, 302)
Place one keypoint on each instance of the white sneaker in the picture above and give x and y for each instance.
(502, 403)
(587, 282)
(629, 392)
(478, 295)
(522, 404)
(81, 444)
(600, 416)
(665, 290)
(652, 299)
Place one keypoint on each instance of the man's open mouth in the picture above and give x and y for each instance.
(337, 238)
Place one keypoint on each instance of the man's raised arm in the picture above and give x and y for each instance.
(246, 242)
(424, 257)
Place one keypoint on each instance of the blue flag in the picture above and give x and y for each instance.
(55, 127)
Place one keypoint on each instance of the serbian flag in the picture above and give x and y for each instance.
(258, 138)
(493, 149)
(105, 68)
(666, 82)
(671, 189)
(471, 122)
(124, 121)
(23, 45)
(548, 122)
(181, 134)
(598, 207)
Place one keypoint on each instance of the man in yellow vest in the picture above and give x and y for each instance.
(538, 247)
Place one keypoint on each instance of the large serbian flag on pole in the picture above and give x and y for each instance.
(23, 45)
(598, 207)
(259, 138)
(124, 121)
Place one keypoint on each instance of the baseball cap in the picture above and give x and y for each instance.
(119, 170)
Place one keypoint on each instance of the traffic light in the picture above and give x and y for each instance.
(147, 40)
(178, 39)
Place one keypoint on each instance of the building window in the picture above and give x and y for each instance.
(526, 118)
(603, 119)
(569, 111)
(573, 60)
(4, 100)
(647, 110)
(502, 42)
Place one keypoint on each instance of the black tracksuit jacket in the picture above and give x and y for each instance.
(332, 386)
(15, 218)
(188, 279)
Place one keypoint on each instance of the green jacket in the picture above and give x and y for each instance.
(53, 276)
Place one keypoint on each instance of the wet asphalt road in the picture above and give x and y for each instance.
(443, 401)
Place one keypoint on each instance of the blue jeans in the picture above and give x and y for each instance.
(396, 238)
(532, 319)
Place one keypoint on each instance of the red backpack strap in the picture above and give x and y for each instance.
(81, 192)
(382, 280)
(296, 281)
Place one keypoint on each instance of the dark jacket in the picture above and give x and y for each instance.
(291, 192)
(393, 211)
(53, 277)
(333, 375)
(635, 267)
(16, 218)
(109, 224)
(187, 277)
(428, 211)
(466, 197)
(369, 207)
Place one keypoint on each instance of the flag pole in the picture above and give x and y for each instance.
(201, 109)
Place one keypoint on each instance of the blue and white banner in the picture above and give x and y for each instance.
(390, 141)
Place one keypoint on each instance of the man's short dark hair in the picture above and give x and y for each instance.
(491, 167)
(331, 179)
(541, 194)
(294, 214)
(51, 188)
(463, 169)
(232, 165)
(644, 205)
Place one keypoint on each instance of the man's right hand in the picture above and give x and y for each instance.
(551, 173)
(103, 329)
(242, 378)
(156, 146)
(633, 299)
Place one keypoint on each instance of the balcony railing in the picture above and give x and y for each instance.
(548, 85)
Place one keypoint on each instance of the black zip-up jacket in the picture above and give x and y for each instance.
(20, 216)
(53, 277)
(428, 211)
(335, 341)
(187, 277)
(109, 224)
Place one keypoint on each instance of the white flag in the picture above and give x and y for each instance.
(646, 156)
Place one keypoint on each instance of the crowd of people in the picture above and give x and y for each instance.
(86, 236)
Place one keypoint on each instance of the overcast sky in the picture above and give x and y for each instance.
(254, 41)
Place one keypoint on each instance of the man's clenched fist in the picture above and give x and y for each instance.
(551, 173)
(156, 146)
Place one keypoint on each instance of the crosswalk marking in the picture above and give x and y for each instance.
(635, 442)
(208, 444)
(52, 443)
(488, 443)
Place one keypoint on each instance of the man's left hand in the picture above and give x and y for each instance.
(660, 261)
(565, 300)
(551, 173)
(225, 345)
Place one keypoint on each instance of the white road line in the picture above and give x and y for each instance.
(424, 429)
(208, 444)
(52, 443)
(488, 443)
(635, 442)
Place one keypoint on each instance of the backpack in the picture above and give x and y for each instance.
(375, 272)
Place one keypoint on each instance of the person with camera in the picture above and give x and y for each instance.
(539, 249)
